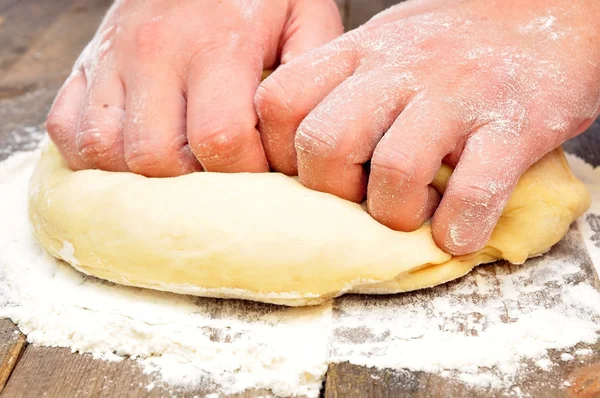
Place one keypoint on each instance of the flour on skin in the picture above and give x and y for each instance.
(480, 330)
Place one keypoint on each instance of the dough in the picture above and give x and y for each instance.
(265, 237)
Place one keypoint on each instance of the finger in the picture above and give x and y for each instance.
(99, 136)
(339, 135)
(63, 119)
(221, 117)
(312, 24)
(154, 132)
(492, 162)
(285, 98)
(407, 158)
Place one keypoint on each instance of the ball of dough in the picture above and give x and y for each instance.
(265, 237)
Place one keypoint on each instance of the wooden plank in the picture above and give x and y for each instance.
(7, 4)
(32, 81)
(360, 11)
(343, 7)
(33, 78)
(347, 380)
(29, 84)
(585, 382)
(49, 59)
(56, 372)
(22, 23)
(12, 343)
(581, 375)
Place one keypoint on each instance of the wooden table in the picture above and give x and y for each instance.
(39, 41)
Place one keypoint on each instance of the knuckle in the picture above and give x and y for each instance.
(201, 48)
(58, 123)
(477, 195)
(271, 100)
(148, 158)
(320, 138)
(95, 143)
(400, 165)
(220, 141)
(140, 160)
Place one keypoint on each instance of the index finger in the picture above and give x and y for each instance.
(286, 97)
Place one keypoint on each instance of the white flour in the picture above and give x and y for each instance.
(190, 341)
(484, 330)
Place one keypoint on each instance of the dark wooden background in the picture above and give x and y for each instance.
(39, 41)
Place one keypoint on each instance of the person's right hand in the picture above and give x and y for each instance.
(487, 87)
(166, 88)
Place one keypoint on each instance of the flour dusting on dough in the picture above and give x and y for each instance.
(488, 329)
(67, 253)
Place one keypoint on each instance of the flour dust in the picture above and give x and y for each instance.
(187, 341)
(487, 330)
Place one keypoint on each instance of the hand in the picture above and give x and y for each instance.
(486, 86)
(166, 88)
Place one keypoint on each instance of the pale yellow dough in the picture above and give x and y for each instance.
(267, 238)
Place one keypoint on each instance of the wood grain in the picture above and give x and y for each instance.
(12, 344)
(29, 83)
(48, 61)
(39, 41)
(360, 11)
(24, 22)
(56, 372)
(569, 377)
(343, 9)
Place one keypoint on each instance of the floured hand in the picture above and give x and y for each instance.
(166, 88)
(486, 86)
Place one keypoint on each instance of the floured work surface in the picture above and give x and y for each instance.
(489, 332)
(502, 330)
(57, 372)
(265, 237)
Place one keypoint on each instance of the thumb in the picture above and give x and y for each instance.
(311, 24)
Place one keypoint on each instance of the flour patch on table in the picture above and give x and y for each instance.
(484, 329)
(186, 341)
(487, 329)
(25, 138)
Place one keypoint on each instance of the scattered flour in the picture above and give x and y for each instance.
(485, 330)
(544, 363)
(23, 139)
(583, 352)
(480, 332)
(67, 252)
(565, 356)
(189, 341)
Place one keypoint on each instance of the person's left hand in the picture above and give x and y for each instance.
(486, 86)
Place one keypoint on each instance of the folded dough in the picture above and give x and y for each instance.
(265, 237)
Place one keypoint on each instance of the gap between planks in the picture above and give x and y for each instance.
(341, 379)
(13, 342)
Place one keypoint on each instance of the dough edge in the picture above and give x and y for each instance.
(530, 225)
